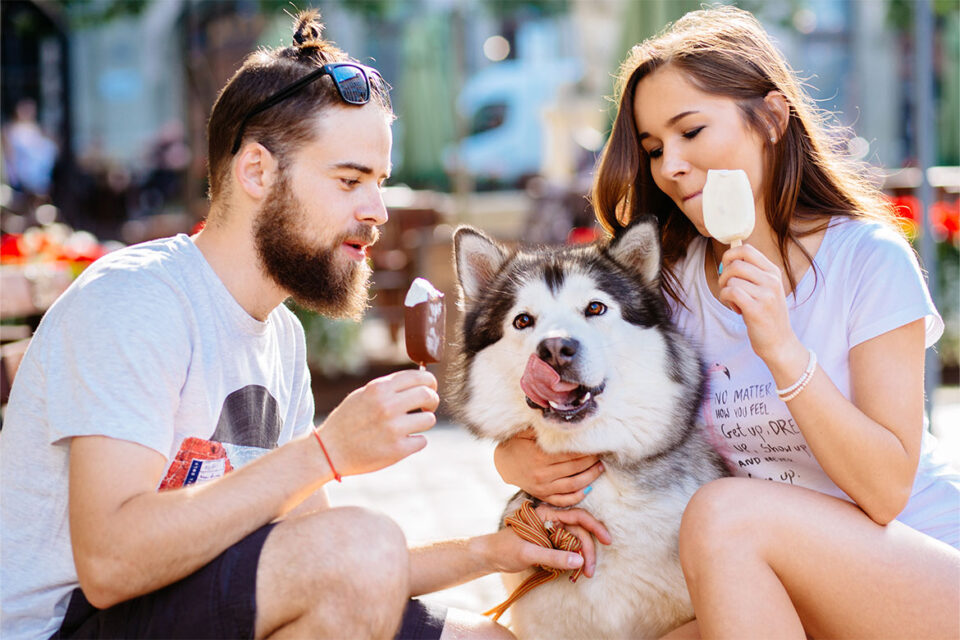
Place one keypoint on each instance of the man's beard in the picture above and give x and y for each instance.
(310, 272)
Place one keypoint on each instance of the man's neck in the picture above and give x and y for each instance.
(228, 246)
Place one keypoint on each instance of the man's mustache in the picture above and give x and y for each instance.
(364, 233)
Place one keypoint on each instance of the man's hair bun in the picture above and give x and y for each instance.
(309, 29)
(308, 37)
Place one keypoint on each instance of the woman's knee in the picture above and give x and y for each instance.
(720, 515)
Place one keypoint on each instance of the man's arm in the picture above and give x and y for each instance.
(446, 564)
(317, 501)
(128, 539)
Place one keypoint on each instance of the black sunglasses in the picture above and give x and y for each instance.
(352, 81)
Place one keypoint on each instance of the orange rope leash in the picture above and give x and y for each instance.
(528, 526)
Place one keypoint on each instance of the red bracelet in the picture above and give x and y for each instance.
(336, 476)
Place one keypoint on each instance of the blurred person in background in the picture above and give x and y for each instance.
(28, 155)
(824, 304)
(174, 364)
(167, 160)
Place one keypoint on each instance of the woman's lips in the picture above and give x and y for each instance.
(692, 195)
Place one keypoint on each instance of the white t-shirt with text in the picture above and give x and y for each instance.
(866, 282)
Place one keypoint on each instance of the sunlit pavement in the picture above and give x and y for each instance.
(451, 489)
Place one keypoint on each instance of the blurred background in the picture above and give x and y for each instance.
(503, 107)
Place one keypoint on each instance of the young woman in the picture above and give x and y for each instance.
(814, 331)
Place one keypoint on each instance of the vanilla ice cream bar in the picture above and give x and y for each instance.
(728, 211)
(424, 322)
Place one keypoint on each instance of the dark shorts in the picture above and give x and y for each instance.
(218, 601)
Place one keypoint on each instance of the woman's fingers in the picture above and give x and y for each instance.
(740, 291)
(565, 499)
(570, 467)
(562, 479)
(566, 492)
(753, 286)
(578, 482)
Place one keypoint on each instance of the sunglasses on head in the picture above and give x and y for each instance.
(353, 82)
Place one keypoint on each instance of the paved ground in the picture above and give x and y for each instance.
(451, 489)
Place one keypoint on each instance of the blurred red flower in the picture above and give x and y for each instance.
(944, 217)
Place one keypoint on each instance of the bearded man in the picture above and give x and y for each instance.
(174, 365)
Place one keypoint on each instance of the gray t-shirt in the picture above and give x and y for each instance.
(146, 346)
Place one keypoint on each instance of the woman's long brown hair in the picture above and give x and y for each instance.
(724, 51)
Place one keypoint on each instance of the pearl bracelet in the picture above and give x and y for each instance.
(797, 387)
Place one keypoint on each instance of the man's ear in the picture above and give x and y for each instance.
(780, 109)
(255, 170)
(478, 260)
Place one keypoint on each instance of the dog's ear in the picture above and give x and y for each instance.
(478, 259)
(637, 247)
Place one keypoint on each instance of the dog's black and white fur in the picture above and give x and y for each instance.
(640, 388)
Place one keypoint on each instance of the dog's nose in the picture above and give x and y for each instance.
(558, 352)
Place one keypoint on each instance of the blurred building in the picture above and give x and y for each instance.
(110, 76)
(508, 96)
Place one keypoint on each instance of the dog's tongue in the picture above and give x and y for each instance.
(542, 383)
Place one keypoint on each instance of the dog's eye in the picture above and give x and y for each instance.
(596, 309)
(523, 321)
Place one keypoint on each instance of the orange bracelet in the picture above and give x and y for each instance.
(336, 476)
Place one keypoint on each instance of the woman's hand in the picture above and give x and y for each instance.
(753, 287)
(560, 479)
(510, 553)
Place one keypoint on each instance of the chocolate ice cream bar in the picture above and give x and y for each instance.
(424, 322)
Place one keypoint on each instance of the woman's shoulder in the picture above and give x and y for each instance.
(877, 271)
(859, 227)
(871, 251)
(849, 234)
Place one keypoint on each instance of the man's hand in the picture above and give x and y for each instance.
(510, 553)
(557, 478)
(442, 565)
(373, 427)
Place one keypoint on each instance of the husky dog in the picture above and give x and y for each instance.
(577, 343)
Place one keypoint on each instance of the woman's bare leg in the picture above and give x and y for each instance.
(688, 631)
(763, 558)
